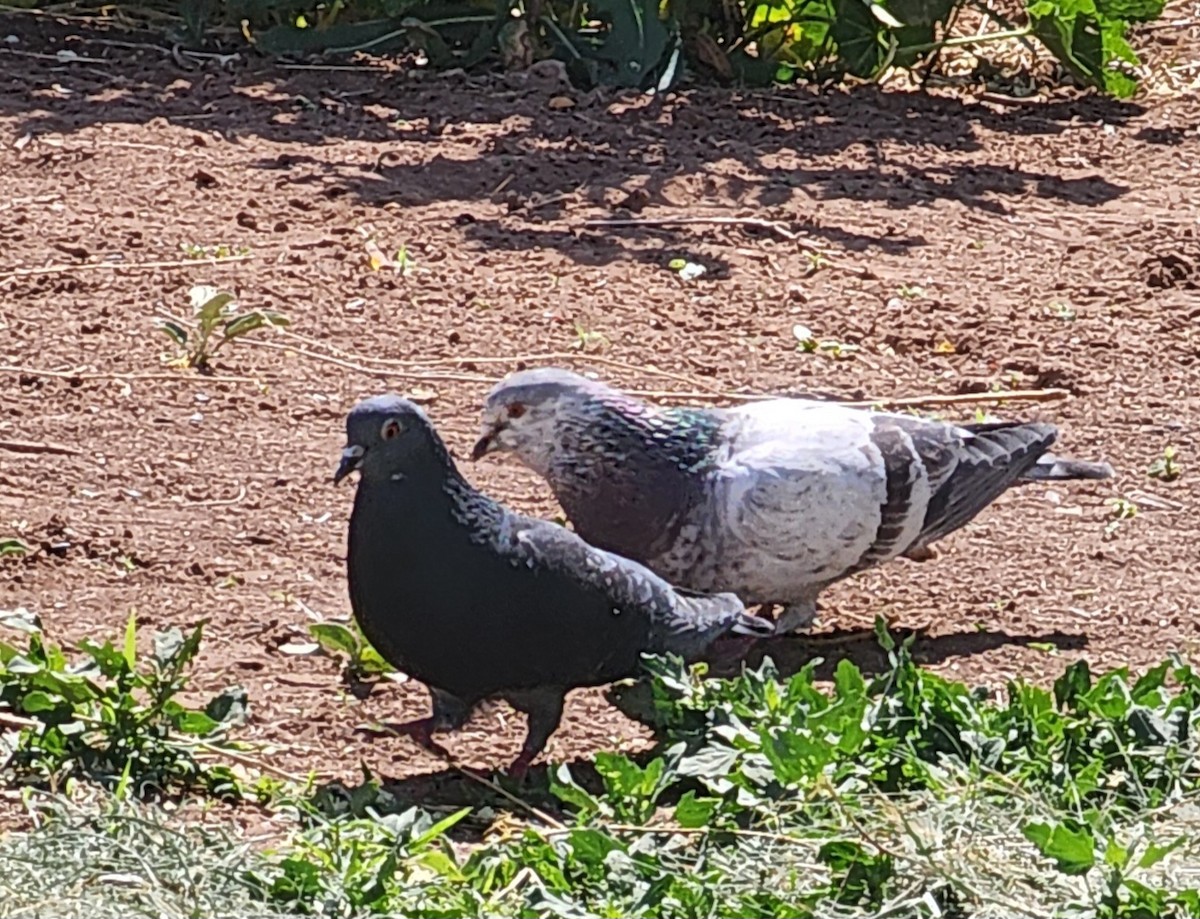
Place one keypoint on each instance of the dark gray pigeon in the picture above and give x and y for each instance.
(478, 602)
(773, 500)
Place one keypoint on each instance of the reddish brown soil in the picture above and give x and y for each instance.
(950, 224)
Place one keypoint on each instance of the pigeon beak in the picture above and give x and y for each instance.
(351, 458)
(486, 444)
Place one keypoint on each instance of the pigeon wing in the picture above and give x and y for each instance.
(630, 588)
(968, 466)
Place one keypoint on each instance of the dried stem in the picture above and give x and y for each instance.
(83, 374)
(122, 266)
(32, 446)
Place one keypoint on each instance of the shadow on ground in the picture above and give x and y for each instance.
(454, 141)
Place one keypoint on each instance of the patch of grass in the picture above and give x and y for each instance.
(114, 859)
(901, 794)
(215, 324)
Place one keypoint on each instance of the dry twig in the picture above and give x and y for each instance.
(122, 266)
(33, 446)
(83, 374)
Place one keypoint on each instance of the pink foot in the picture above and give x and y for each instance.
(520, 766)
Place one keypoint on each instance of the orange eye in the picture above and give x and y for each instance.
(516, 410)
(391, 428)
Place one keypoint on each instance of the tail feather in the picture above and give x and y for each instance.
(1051, 468)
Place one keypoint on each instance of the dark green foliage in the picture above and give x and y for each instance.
(109, 717)
(646, 45)
(755, 799)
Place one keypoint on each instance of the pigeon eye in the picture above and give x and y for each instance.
(516, 410)
(391, 428)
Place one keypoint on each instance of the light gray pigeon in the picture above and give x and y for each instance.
(772, 500)
(479, 602)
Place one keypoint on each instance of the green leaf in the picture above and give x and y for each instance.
(591, 847)
(692, 812)
(1131, 10)
(195, 723)
(39, 701)
(1075, 682)
(175, 331)
(335, 636)
(1155, 854)
(22, 620)
(248, 322)
(1146, 690)
(711, 762)
(639, 48)
(564, 787)
(438, 829)
(130, 649)
(1087, 42)
(110, 662)
(209, 304)
(863, 42)
(1115, 854)
(1073, 847)
(13, 546)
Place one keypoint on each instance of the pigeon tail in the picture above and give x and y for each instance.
(1051, 468)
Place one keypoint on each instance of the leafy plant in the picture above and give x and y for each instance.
(810, 344)
(586, 338)
(1166, 467)
(110, 717)
(1119, 510)
(1077, 847)
(649, 46)
(899, 793)
(362, 660)
(214, 318)
(353, 865)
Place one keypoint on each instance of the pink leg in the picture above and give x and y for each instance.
(520, 765)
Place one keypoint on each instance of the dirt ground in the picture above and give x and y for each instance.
(968, 242)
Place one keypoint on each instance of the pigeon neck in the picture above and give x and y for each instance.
(633, 432)
(627, 474)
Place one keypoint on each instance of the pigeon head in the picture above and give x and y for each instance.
(385, 435)
(521, 410)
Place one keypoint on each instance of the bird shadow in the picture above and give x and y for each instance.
(456, 786)
(791, 653)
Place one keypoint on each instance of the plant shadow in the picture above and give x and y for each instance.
(488, 153)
